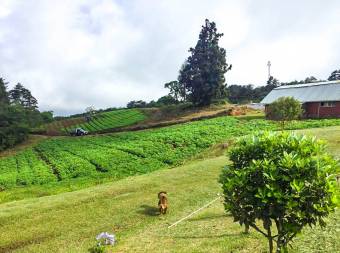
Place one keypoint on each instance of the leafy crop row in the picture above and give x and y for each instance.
(129, 153)
(112, 119)
(26, 168)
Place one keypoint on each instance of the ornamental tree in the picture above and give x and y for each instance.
(281, 180)
(284, 109)
(202, 74)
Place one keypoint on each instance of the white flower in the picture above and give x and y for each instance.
(108, 238)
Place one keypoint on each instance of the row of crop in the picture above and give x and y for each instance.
(111, 119)
(65, 164)
(33, 170)
(117, 163)
(129, 153)
(24, 169)
(118, 122)
(118, 119)
(173, 144)
(169, 146)
(8, 172)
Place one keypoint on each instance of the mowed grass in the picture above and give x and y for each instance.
(329, 134)
(69, 222)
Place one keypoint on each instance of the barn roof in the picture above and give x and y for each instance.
(309, 92)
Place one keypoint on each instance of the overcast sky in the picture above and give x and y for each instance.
(75, 53)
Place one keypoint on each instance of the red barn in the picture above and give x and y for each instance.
(319, 100)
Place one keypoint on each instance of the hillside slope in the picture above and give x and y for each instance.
(69, 222)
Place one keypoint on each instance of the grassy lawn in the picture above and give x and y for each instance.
(330, 134)
(69, 222)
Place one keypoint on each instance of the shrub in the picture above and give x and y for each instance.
(284, 180)
(284, 109)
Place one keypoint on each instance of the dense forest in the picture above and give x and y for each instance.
(18, 114)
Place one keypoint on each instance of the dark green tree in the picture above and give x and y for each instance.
(47, 116)
(176, 90)
(4, 100)
(283, 180)
(166, 100)
(136, 104)
(22, 96)
(273, 82)
(310, 79)
(28, 100)
(202, 74)
(335, 75)
(15, 95)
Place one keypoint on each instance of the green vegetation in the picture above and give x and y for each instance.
(18, 113)
(112, 119)
(286, 181)
(284, 109)
(100, 121)
(202, 74)
(115, 156)
(69, 222)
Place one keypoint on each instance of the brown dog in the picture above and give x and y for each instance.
(163, 202)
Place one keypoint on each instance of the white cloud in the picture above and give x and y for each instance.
(77, 53)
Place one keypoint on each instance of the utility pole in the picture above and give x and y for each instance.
(269, 65)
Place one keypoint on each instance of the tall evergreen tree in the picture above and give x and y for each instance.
(15, 95)
(28, 100)
(202, 75)
(22, 96)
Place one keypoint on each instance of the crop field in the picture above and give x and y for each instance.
(119, 155)
(101, 121)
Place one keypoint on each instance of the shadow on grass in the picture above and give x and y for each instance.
(149, 210)
(17, 245)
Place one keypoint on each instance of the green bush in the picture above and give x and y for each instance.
(284, 109)
(282, 179)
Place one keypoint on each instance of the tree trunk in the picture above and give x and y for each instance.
(246, 228)
(270, 240)
(281, 245)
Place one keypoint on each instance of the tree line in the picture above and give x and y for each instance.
(18, 114)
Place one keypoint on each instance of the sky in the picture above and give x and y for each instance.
(77, 53)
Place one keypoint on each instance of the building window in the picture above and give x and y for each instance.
(327, 104)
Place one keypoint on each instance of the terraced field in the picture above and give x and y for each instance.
(120, 155)
(101, 121)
